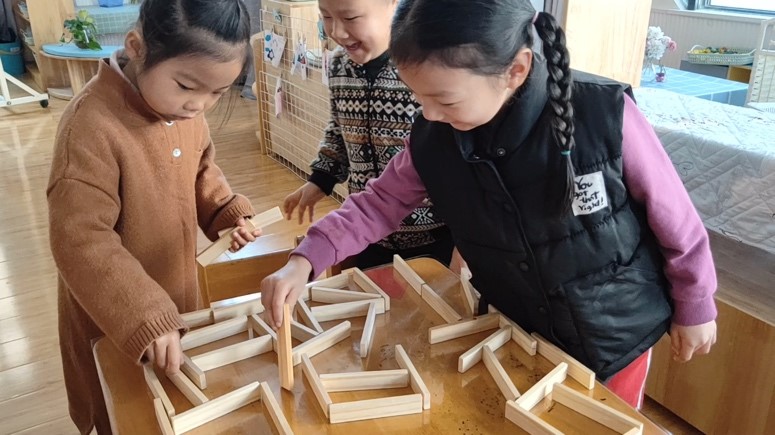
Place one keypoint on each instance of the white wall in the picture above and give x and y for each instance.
(689, 28)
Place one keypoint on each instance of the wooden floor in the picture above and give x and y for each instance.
(32, 398)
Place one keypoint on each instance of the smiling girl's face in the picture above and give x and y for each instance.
(361, 27)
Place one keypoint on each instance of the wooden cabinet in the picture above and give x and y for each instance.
(43, 23)
(738, 73)
(605, 37)
(731, 390)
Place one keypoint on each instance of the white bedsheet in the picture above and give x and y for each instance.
(725, 156)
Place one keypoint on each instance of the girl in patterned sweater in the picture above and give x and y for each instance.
(371, 116)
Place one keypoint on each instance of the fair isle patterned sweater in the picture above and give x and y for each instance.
(371, 116)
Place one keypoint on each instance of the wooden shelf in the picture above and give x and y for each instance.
(44, 19)
(20, 14)
(32, 48)
(739, 73)
(34, 72)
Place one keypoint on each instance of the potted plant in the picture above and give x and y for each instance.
(82, 31)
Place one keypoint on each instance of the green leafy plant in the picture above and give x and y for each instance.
(82, 31)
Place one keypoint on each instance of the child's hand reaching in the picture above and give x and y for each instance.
(242, 236)
(284, 287)
(305, 198)
(166, 352)
(687, 341)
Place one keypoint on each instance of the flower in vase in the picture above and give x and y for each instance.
(657, 43)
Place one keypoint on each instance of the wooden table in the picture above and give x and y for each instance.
(701, 86)
(461, 403)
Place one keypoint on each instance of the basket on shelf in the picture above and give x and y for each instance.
(738, 56)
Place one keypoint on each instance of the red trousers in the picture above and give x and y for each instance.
(630, 382)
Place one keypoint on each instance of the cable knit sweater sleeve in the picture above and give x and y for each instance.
(103, 276)
(217, 207)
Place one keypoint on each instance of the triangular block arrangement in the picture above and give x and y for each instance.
(337, 302)
(518, 410)
(518, 405)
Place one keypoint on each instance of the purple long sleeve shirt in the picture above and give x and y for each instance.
(648, 173)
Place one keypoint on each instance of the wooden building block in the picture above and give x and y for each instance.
(555, 355)
(409, 275)
(359, 381)
(156, 389)
(326, 295)
(161, 416)
(193, 372)
(192, 393)
(528, 421)
(260, 327)
(316, 384)
(335, 282)
(369, 327)
(306, 316)
(209, 254)
(215, 408)
(238, 310)
(498, 373)
(233, 353)
(322, 342)
(474, 355)
(271, 407)
(439, 305)
(301, 332)
(375, 408)
(451, 331)
(542, 388)
(596, 410)
(522, 338)
(469, 292)
(284, 350)
(418, 385)
(346, 310)
(363, 281)
(236, 277)
(199, 318)
(214, 332)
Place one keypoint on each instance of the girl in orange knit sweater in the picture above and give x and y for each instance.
(133, 176)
